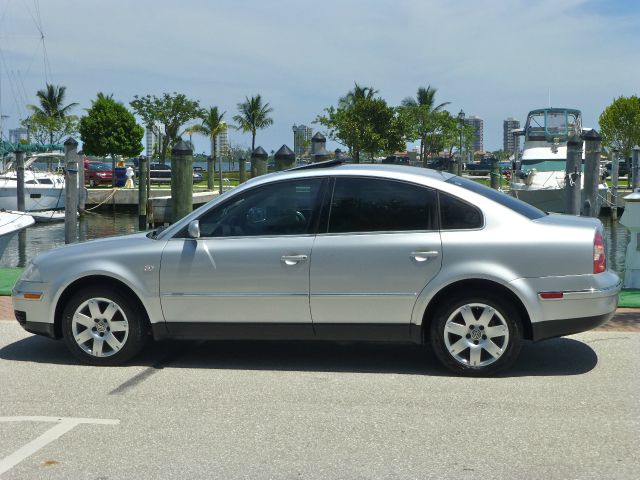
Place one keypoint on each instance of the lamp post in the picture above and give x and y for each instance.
(461, 120)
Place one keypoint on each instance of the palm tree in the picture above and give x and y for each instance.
(422, 109)
(211, 126)
(51, 100)
(253, 115)
(358, 93)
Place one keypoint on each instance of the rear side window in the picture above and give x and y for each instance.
(503, 199)
(458, 215)
(375, 205)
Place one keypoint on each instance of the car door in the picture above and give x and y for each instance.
(381, 247)
(249, 268)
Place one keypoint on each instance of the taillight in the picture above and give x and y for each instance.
(599, 255)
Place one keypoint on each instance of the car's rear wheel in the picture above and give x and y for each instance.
(103, 326)
(476, 335)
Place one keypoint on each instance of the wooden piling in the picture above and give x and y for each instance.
(71, 191)
(573, 176)
(614, 184)
(591, 173)
(495, 173)
(181, 181)
(635, 167)
(143, 167)
(259, 162)
(242, 175)
(20, 180)
(211, 172)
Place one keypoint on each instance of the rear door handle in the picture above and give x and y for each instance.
(291, 260)
(424, 256)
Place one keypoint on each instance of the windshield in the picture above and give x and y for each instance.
(503, 199)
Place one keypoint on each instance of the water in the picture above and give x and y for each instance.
(43, 237)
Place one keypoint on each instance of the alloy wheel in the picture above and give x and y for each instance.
(476, 335)
(100, 327)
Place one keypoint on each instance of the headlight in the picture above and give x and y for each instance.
(31, 273)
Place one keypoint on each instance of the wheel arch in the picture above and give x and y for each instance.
(477, 286)
(91, 281)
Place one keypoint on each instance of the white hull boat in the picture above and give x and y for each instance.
(10, 224)
(43, 190)
(540, 178)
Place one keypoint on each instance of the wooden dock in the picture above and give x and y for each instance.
(160, 199)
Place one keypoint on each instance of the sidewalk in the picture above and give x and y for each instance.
(625, 320)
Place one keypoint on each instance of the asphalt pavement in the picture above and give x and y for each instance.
(568, 409)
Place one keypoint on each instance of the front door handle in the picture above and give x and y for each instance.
(424, 256)
(291, 260)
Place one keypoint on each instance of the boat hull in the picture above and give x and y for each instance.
(10, 224)
(550, 199)
(36, 197)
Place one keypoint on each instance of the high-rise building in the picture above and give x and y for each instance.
(478, 132)
(301, 139)
(18, 134)
(222, 141)
(510, 142)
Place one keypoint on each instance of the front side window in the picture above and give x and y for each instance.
(376, 205)
(283, 208)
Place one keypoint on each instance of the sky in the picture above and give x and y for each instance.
(491, 58)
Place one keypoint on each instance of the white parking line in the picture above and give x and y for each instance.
(63, 425)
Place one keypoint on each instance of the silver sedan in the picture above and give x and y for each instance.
(333, 252)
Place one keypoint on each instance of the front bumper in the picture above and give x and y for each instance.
(34, 315)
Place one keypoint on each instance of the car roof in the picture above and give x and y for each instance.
(389, 171)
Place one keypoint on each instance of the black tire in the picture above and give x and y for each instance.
(471, 344)
(110, 323)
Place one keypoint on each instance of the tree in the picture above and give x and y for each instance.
(253, 116)
(211, 126)
(620, 124)
(109, 129)
(419, 114)
(51, 118)
(171, 110)
(52, 130)
(364, 123)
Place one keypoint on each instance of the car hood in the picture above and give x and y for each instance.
(94, 248)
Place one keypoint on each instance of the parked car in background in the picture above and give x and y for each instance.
(97, 173)
(623, 168)
(334, 252)
(397, 160)
(161, 172)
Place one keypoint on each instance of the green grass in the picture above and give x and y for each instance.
(8, 277)
(629, 298)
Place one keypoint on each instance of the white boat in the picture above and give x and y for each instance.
(43, 186)
(10, 224)
(540, 178)
(45, 216)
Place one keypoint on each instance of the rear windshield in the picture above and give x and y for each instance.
(508, 201)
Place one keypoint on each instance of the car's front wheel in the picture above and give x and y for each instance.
(476, 335)
(103, 326)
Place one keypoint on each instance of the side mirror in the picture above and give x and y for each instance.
(194, 229)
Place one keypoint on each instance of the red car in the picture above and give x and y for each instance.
(97, 173)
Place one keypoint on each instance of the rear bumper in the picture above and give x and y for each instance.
(583, 302)
(559, 328)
